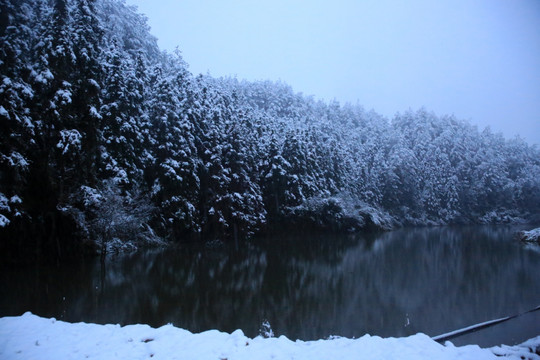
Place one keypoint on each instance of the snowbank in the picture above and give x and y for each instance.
(32, 337)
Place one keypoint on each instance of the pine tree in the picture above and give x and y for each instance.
(17, 129)
(176, 182)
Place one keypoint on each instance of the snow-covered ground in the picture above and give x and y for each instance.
(32, 337)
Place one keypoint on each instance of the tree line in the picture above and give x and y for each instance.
(105, 139)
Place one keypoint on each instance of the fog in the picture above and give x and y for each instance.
(477, 60)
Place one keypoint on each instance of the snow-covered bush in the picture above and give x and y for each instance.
(114, 220)
(266, 330)
(531, 236)
(339, 214)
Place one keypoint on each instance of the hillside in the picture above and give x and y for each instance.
(105, 137)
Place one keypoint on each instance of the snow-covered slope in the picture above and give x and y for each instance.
(32, 337)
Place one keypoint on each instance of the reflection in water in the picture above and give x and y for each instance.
(394, 284)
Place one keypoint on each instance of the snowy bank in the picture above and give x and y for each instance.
(32, 337)
(529, 236)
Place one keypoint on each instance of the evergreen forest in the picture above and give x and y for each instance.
(108, 142)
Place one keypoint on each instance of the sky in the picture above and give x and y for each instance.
(476, 59)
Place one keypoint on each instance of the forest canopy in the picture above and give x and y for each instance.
(106, 139)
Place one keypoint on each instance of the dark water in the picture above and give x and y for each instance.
(430, 280)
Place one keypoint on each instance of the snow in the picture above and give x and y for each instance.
(69, 138)
(64, 96)
(17, 160)
(15, 200)
(32, 337)
(529, 236)
(4, 203)
(4, 221)
(91, 196)
(94, 83)
(94, 113)
(3, 112)
(532, 234)
(44, 76)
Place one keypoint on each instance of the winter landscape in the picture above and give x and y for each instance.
(244, 202)
(32, 337)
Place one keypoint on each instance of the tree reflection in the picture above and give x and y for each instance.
(428, 280)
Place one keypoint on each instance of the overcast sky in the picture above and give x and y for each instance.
(476, 59)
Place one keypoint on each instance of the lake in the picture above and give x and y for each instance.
(430, 280)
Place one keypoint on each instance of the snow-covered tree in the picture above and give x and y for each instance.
(90, 105)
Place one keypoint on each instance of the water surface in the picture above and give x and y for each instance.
(430, 280)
